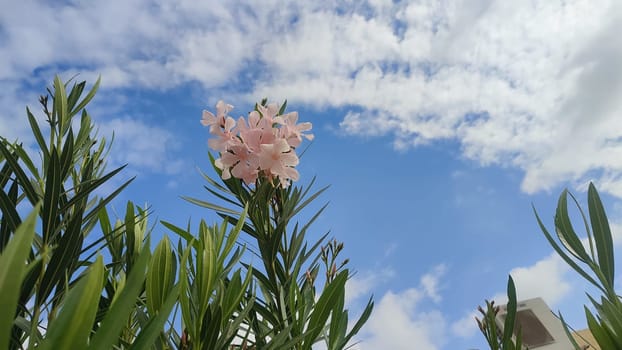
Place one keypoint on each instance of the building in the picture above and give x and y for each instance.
(585, 339)
(542, 329)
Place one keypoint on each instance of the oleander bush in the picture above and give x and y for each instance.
(74, 277)
(592, 257)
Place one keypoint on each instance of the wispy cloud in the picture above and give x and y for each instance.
(466, 327)
(398, 324)
(529, 85)
(405, 319)
(361, 285)
(399, 321)
(516, 83)
(547, 278)
(13, 119)
(142, 146)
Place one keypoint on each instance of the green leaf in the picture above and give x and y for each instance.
(508, 327)
(212, 181)
(130, 235)
(60, 105)
(21, 153)
(223, 197)
(324, 305)
(34, 126)
(185, 293)
(187, 236)
(64, 258)
(95, 211)
(568, 334)
(160, 276)
(338, 323)
(361, 321)
(235, 293)
(283, 108)
(83, 139)
(208, 205)
(565, 231)
(74, 95)
(600, 334)
(234, 233)
(12, 272)
(21, 176)
(152, 330)
(308, 200)
(7, 229)
(88, 97)
(602, 236)
(72, 328)
(66, 157)
(9, 211)
(611, 312)
(563, 255)
(51, 197)
(116, 318)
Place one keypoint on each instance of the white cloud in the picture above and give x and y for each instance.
(13, 119)
(547, 279)
(430, 281)
(544, 279)
(361, 286)
(402, 320)
(551, 278)
(397, 324)
(145, 147)
(508, 80)
(141, 145)
(523, 84)
(466, 327)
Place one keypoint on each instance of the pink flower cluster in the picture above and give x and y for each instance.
(265, 145)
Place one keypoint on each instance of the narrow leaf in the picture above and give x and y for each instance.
(34, 126)
(12, 271)
(323, 307)
(602, 236)
(21, 176)
(72, 328)
(88, 97)
(151, 332)
(116, 318)
(565, 231)
(565, 256)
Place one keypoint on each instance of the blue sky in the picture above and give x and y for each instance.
(437, 125)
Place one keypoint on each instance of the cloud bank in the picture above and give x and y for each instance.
(531, 85)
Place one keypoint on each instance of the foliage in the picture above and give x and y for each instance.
(86, 281)
(501, 339)
(289, 311)
(71, 170)
(593, 259)
(606, 325)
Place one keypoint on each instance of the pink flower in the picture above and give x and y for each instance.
(278, 159)
(240, 162)
(268, 112)
(218, 120)
(291, 131)
(225, 136)
(258, 131)
(261, 146)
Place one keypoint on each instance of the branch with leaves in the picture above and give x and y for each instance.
(111, 292)
(592, 258)
(290, 311)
